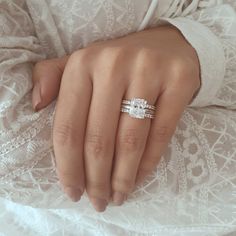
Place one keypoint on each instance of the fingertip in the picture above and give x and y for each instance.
(99, 204)
(119, 198)
(74, 193)
(36, 96)
(46, 79)
(44, 92)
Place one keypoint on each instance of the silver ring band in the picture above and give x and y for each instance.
(138, 108)
(128, 102)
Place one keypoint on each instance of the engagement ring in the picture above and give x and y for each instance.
(138, 108)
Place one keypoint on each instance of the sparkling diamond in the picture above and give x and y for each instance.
(137, 108)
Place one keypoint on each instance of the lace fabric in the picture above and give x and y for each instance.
(191, 191)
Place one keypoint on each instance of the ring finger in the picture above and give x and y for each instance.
(131, 140)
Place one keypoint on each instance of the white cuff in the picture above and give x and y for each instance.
(211, 57)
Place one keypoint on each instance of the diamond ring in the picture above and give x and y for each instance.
(138, 108)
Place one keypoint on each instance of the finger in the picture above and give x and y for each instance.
(46, 81)
(170, 106)
(131, 139)
(69, 126)
(100, 140)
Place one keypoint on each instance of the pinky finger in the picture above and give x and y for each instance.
(170, 107)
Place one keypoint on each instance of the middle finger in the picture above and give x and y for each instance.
(100, 138)
(131, 140)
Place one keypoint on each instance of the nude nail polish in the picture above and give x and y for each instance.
(99, 204)
(118, 198)
(73, 193)
(36, 96)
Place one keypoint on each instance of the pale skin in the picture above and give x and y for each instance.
(98, 148)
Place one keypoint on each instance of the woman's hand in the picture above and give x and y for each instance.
(96, 146)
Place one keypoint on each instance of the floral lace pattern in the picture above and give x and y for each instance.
(193, 188)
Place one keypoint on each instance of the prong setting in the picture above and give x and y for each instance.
(138, 108)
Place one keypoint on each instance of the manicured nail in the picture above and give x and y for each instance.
(73, 193)
(118, 198)
(36, 96)
(99, 204)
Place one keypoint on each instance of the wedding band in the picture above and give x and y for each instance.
(138, 108)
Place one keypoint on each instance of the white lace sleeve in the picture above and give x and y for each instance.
(19, 48)
(210, 27)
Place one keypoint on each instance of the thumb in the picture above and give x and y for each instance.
(46, 77)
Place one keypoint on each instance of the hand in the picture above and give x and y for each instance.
(95, 145)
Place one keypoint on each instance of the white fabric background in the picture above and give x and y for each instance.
(191, 192)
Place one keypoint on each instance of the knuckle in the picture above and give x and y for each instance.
(96, 186)
(107, 52)
(109, 63)
(114, 56)
(129, 141)
(161, 134)
(145, 55)
(147, 61)
(145, 170)
(179, 63)
(65, 134)
(65, 175)
(180, 68)
(114, 53)
(151, 57)
(149, 165)
(183, 68)
(67, 178)
(185, 74)
(95, 144)
(81, 56)
(123, 184)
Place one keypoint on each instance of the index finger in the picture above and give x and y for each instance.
(69, 126)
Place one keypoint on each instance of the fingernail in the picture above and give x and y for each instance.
(73, 193)
(119, 198)
(99, 204)
(36, 96)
